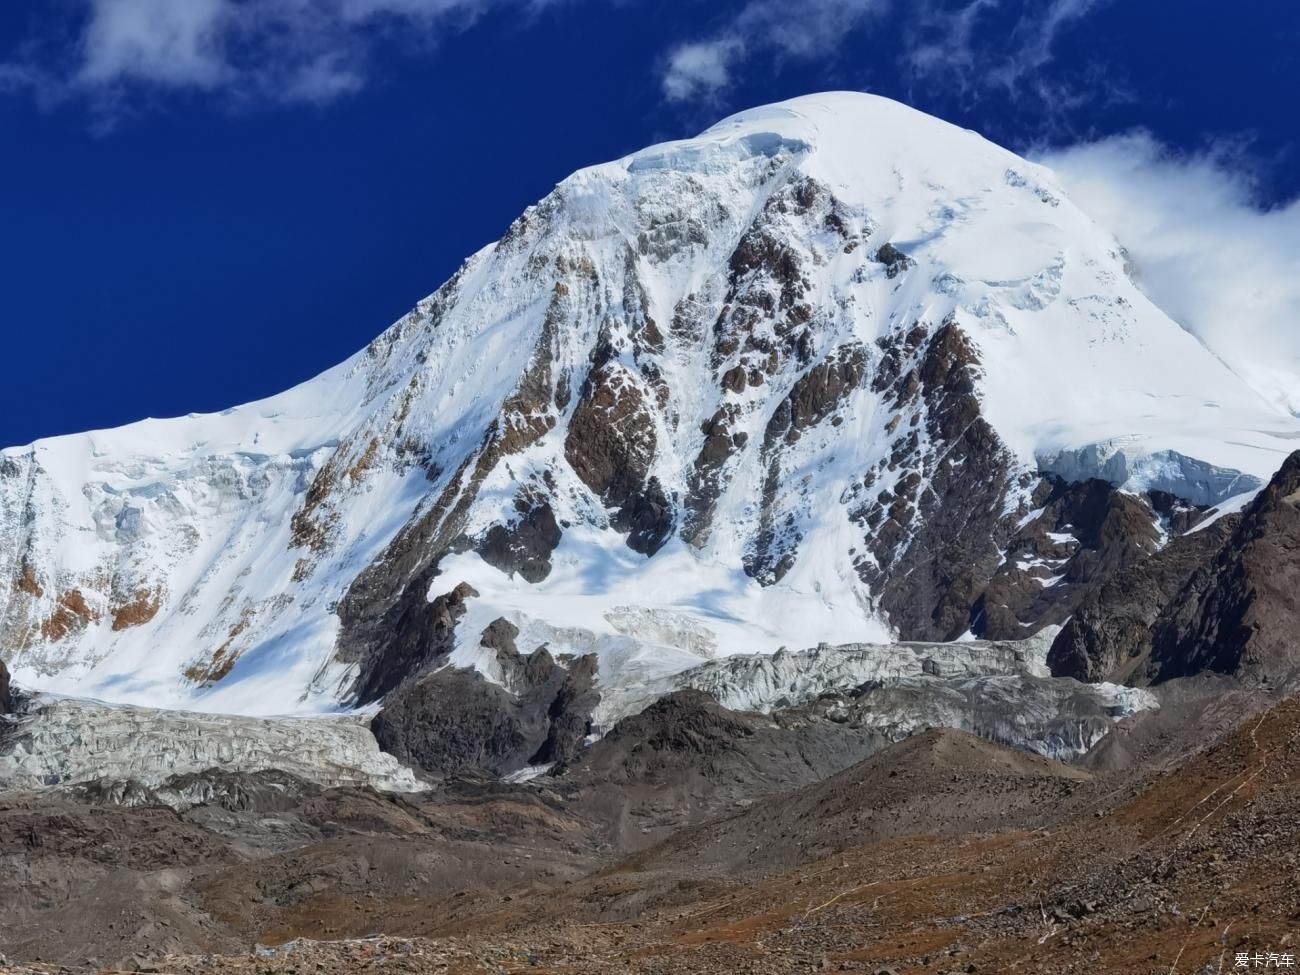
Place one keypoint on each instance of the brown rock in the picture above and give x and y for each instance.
(1240, 613)
(1109, 636)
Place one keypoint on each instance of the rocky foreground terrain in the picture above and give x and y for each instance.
(942, 853)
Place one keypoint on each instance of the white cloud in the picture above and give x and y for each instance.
(355, 10)
(1039, 34)
(250, 50)
(322, 80)
(942, 42)
(155, 40)
(929, 40)
(1202, 251)
(807, 29)
(700, 70)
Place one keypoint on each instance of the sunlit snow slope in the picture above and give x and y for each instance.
(763, 387)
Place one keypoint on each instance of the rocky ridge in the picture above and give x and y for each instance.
(1218, 598)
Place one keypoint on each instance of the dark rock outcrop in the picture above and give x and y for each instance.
(1240, 613)
(686, 759)
(1109, 636)
(423, 635)
(569, 714)
(689, 734)
(455, 721)
(895, 261)
(6, 695)
(1085, 534)
(525, 545)
(685, 729)
(949, 540)
(500, 635)
(610, 445)
(818, 393)
(934, 539)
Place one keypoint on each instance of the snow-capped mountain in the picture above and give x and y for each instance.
(799, 379)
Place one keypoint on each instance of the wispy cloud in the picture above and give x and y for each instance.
(316, 51)
(703, 68)
(1202, 249)
(971, 46)
(156, 40)
(310, 51)
(700, 70)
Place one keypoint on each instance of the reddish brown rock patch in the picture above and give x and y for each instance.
(28, 583)
(71, 614)
(223, 659)
(141, 609)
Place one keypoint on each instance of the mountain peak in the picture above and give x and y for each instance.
(831, 371)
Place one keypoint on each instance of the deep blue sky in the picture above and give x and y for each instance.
(170, 245)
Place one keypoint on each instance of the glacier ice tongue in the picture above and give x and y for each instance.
(997, 689)
(60, 741)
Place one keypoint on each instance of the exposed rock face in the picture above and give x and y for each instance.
(500, 635)
(6, 697)
(895, 260)
(684, 730)
(524, 546)
(569, 714)
(1240, 612)
(610, 445)
(937, 509)
(686, 758)
(422, 636)
(1109, 636)
(455, 721)
(1084, 533)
